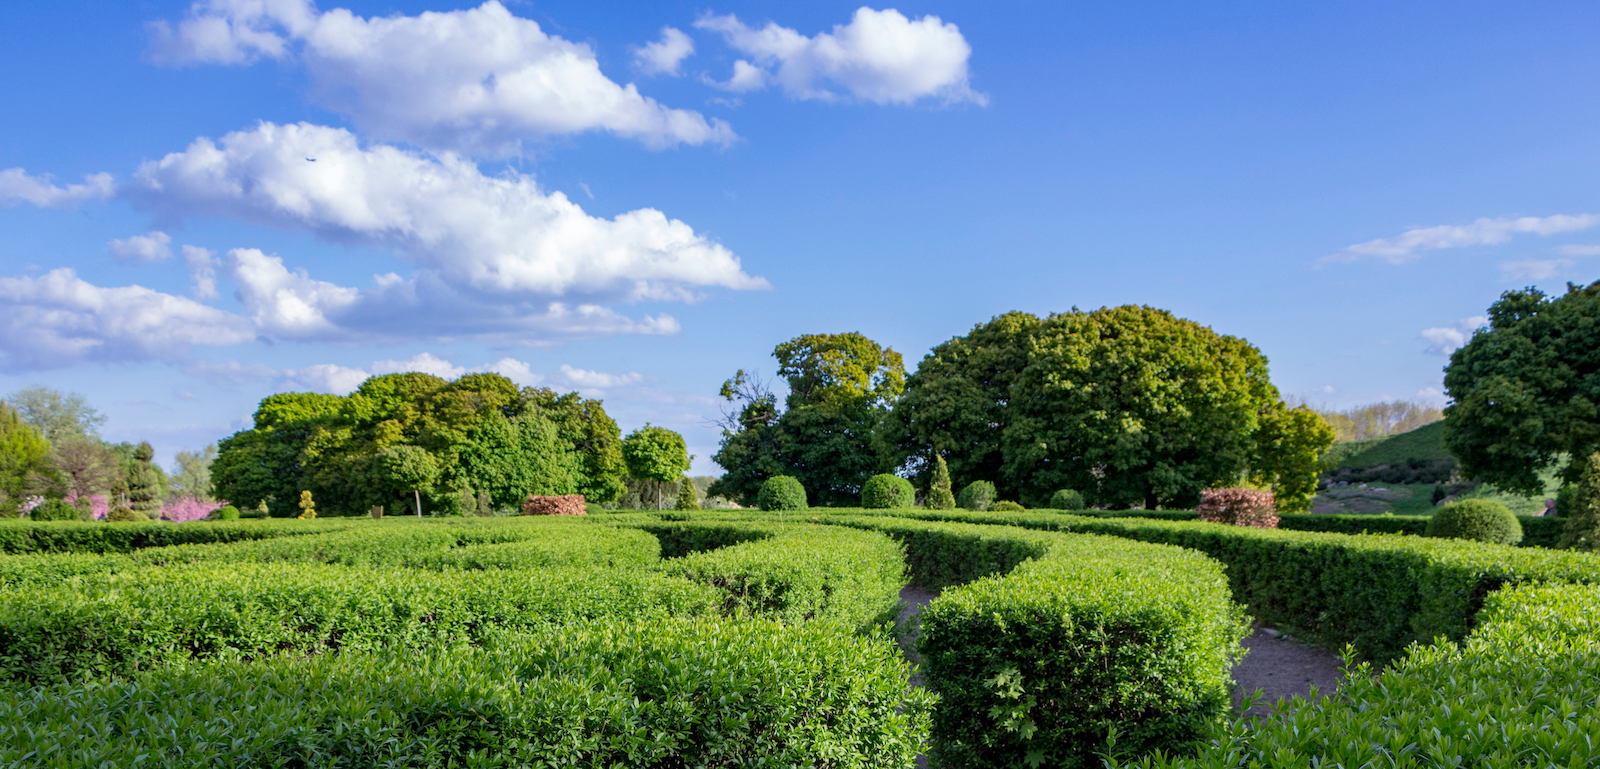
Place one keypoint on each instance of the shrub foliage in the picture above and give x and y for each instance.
(782, 492)
(886, 492)
(1479, 520)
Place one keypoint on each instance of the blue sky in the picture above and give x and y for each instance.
(571, 194)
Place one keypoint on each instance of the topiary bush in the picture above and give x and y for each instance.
(125, 514)
(224, 513)
(884, 492)
(782, 492)
(1066, 499)
(1239, 507)
(940, 497)
(54, 510)
(978, 495)
(1479, 520)
(1006, 506)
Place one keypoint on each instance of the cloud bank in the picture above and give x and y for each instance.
(477, 81)
(16, 186)
(880, 57)
(1408, 245)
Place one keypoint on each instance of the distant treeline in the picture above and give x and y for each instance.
(1379, 420)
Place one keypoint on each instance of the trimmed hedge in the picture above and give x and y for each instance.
(96, 537)
(1066, 499)
(1537, 531)
(663, 693)
(1519, 691)
(1380, 593)
(884, 492)
(1057, 640)
(781, 492)
(1479, 520)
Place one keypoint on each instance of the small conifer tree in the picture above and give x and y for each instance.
(688, 495)
(940, 496)
(308, 507)
(1583, 521)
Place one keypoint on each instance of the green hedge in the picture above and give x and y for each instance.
(96, 537)
(793, 571)
(1519, 691)
(1060, 639)
(1380, 593)
(664, 693)
(1537, 531)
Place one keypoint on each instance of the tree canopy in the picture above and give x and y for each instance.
(24, 458)
(486, 438)
(655, 454)
(1526, 389)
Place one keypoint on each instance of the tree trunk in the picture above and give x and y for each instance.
(418, 494)
(658, 496)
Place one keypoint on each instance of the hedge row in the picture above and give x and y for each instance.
(679, 693)
(1058, 640)
(1537, 531)
(792, 572)
(1519, 691)
(1380, 593)
(18, 536)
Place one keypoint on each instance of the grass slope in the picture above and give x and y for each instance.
(1426, 442)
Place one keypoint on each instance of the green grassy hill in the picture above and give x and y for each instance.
(1425, 443)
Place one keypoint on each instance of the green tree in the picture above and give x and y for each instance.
(584, 424)
(1290, 446)
(24, 457)
(688, 495)
(832, 434)
(56, 414)
(940, 494)
(1582, 531)
(1134, 406)
(86, 466)
(147, 483)
(193, 478)
(655, 454)
(308, 506)
(512, 458)
(408, 469)
(959, 399)
(266, 462)
(1526, 390)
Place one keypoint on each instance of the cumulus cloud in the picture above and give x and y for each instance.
(1579, 250)
(324, 377)
(1408, 245)
(664, 56)
(479, 81)
(58, 320)
(516, 371)
(425, 363)
(1448, 339)
(584, 379)
(1534, 269)
(343, 380)
(202, 263)
(16, 186)
(155, 247)
(880, 56)
(499, 238)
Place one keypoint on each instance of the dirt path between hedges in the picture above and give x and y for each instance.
(1276, 664)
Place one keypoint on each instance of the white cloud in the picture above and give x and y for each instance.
(1432, 394)
(202, 263)
(16, 186)
(1534, 269)
(426, 363)
(501, 238)
(664, 56)
(57, 320)
(1448, 339)
(1483, 232)
(325, 377)
(514, 370)
(746, 77)
(479, 81)
(286, 304)
(155, 247)
(1579, 250)
(880, 56)
(584, 379)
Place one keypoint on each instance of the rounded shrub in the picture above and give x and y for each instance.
(224, 513)
(1479, 520)
(125, 514)
(54, 510)
(782, 492)
(1066, 499)
(1006, 506)
(978, 495)
(882, 492)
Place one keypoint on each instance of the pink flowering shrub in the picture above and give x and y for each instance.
(98, 504)
(1240, 507)
(185, 509)
(30, 503)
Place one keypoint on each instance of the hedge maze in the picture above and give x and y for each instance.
(719, 639)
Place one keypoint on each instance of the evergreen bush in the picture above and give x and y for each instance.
(308, 506)
(886, 492)
(125, 514)
(1006, 506)
(224, 513)
(940, 497)
(54, 510)
(1479, 520)
(1066, 499)
(688, 495)
(782, 492)
(978, 495)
